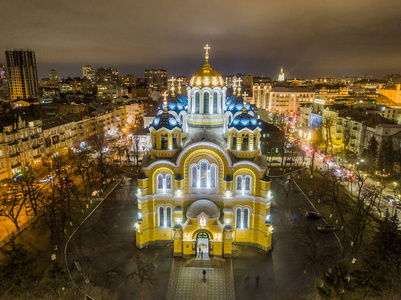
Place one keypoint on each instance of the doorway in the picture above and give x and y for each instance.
(202, 246)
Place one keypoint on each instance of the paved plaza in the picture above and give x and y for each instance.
(105, 245)
(186, 280)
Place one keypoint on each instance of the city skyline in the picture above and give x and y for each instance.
(315, 40)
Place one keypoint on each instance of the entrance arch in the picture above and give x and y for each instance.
(202, 245)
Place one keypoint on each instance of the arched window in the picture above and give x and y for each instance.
(245, 142)
(206, 103)
(244, 184)
(197, 102)
(194, 176)
(248, 185)
(168, 215)
(164, 183)
(168, 182)
(239, 183)
(234, 143)
(161, 217)
(246, 217)
(213, 177)
(164, 141)
(238, 218)
(255, 141)
(203, 175)
(160, 182)
(215, 97)
(175, 138)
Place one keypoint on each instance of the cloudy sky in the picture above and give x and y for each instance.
(308, 38)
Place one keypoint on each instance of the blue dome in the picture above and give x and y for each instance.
(238, 105)
(183, 99)
(229, 99)
(174, 104)
(244, 120)
(164, 120)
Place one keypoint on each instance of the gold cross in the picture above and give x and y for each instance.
(207, 48)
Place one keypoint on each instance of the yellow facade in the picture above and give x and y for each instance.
(198, 192)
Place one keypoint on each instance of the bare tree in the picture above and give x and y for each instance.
(12, 204)
(317, 256)
(143, 274)
(327, 126)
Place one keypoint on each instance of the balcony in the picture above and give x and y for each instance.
(35, 146)
(11, 143)
(16, 165)
(14, 154)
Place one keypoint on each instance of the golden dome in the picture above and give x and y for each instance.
(206, 77)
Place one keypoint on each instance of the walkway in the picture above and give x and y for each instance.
(186, 279)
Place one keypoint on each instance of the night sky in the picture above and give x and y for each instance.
(308, 38)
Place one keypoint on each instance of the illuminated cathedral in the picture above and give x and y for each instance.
(204, 185)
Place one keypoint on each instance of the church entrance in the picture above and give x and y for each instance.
(202, 246)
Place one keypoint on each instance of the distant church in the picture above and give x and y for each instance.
(204, 184)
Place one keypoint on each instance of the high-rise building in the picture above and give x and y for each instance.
(88, 72)
(22, 74)
(156, 79)
(53, 76)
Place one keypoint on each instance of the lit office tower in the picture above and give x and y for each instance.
(88, 72)
(22, 74)
(156, 79)
(53, 75)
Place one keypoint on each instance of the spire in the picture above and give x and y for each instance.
(179, 80)
(172, 86)
(239, 85)
(207, 48)
(165, 110)
(244, 97)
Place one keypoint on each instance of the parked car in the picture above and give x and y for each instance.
(389, 198)
(312, 215)
(327, 227)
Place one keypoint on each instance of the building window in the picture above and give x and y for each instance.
(204, 175)
(164, 141)
(163, 183)
(245, 142)
(164, 217)
(215, 97)
(194, 176)
(238, 218)
(161, 216)
(242, 218)
(213, 177)
(168, 214)
(244, 184)
(206, 103)
(197, 104)
(246, 218)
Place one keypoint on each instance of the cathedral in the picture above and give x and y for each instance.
(204, 184)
